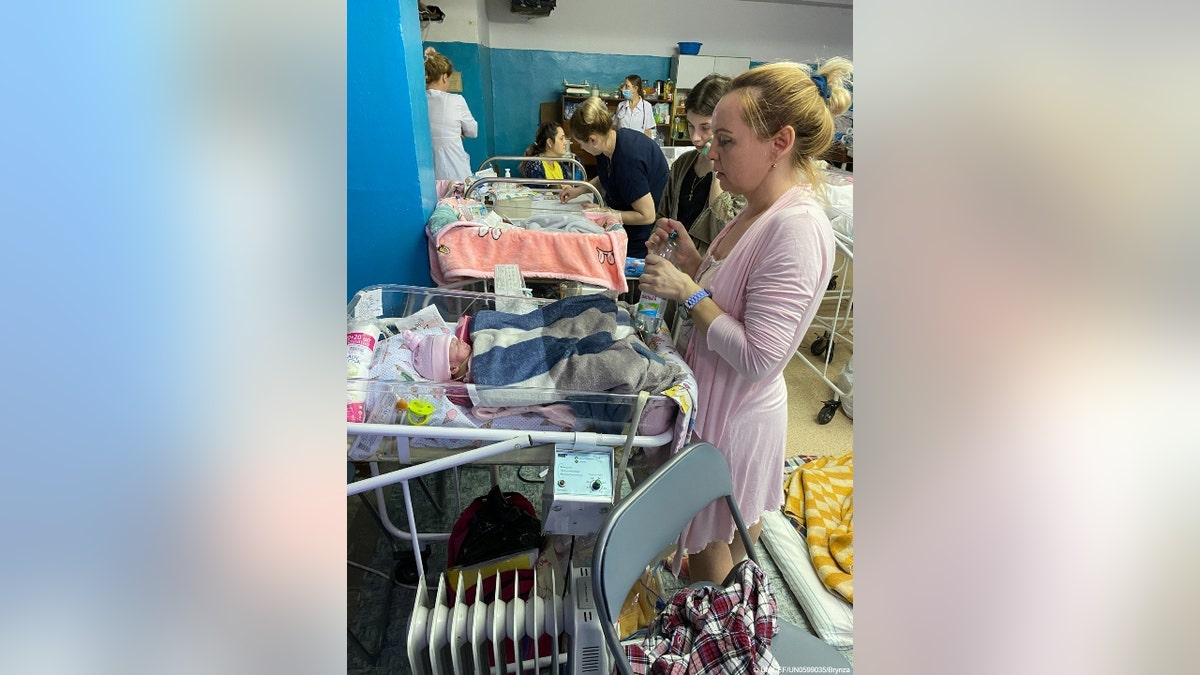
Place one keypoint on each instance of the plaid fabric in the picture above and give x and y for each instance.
(713, 629)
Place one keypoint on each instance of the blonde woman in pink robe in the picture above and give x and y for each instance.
(752, 295)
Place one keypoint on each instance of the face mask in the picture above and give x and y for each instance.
(626, 94)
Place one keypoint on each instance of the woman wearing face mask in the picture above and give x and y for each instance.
(551, 141)
(634, 112)
(754, 293)
(693, 196)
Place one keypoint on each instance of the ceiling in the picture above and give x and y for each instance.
(815, 3)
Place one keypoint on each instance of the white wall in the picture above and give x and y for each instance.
(466, 21)
(764, 31)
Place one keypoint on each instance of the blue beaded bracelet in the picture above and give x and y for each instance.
(699, 295)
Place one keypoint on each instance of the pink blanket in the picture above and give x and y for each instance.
(464, 249)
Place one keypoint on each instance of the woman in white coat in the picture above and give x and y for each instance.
(449, 120)
(634, 112)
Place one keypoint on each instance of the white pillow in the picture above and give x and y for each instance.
(840, 208)
(828, 613)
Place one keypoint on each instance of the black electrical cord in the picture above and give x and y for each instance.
(567, 570)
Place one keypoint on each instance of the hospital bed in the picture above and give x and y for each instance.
(834, 322)
(520, 221)
(521, 198)
(456, 432)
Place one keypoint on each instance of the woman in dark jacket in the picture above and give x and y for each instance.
(693, 196)
(630, 168)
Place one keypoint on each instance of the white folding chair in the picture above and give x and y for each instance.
(650, 518)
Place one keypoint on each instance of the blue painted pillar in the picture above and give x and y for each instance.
(389, 156)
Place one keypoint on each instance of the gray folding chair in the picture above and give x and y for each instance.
(650, 518)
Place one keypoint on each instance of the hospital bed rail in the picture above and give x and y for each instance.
(524, 158)
(836, 327)
(552, 182)
(499, 442)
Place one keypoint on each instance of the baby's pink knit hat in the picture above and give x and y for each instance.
(431, 356)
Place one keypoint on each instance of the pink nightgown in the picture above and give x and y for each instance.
(769, 287)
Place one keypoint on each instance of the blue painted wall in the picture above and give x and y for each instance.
(390, 183)
(472, 61)
(389, 154)
(524, 79)
(518, 81)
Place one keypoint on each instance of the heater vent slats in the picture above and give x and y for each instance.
(465, 630)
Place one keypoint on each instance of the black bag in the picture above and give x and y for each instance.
(494, 525)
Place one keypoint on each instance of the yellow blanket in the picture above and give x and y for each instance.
(820, 495)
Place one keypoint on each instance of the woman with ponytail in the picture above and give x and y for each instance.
(753, 294)
(551, 142)
(449, 120)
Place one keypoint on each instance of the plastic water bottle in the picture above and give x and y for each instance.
(651, 307)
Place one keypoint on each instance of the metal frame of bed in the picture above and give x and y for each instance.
(553, 182)
(501, 446)
(837, 328)
(543, 188)
(522, 159)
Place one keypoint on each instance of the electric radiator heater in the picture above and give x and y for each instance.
(449, 633)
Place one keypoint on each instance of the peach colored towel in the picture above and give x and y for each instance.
(470, 250)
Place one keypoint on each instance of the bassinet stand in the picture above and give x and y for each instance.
(503, 441)
(836, 328)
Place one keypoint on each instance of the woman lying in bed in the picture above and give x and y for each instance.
(579, 343)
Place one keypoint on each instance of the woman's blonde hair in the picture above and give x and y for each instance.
(782, 94)
(591, 117)
(436, 65)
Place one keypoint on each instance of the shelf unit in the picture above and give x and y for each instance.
(568, 104)
(686, 71)
(678, 123)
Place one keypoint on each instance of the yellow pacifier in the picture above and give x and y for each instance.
(419, 411)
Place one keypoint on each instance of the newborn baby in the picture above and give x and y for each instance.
(575, 344)
(440, 358)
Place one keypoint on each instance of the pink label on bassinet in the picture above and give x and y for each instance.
(355, 412)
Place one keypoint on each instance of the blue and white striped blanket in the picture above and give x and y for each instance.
(580, 343)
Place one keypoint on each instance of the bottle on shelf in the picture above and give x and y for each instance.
(651, 307)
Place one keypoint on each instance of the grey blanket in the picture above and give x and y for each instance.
(573, 344)
(562, 222)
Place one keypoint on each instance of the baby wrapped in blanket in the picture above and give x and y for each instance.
(580, 343)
